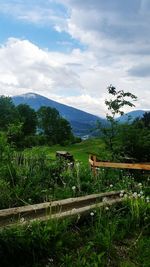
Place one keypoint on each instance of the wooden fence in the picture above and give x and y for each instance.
(58, 209)
(117, 165)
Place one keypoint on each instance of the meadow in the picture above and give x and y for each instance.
(112, 236)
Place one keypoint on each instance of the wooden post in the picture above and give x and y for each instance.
(94, 165)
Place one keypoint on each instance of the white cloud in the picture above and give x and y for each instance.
(76, 79)
(116, 37)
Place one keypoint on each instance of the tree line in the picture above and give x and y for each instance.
(24, 126)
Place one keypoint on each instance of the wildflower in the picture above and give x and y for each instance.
(107, 208)
(104, 199)
(121, 195)
(125, 196)
(92, 213)
(141, 192)
(135, 194)
(140, 184)
(122, 191)
(22, 220)
(111, 185)
(147, 199)
(73, 187)
(50, 260)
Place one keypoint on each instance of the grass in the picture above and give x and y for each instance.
(80, 151)
(112, 237)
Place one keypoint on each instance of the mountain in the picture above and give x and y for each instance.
(82, 123)
(131, 116)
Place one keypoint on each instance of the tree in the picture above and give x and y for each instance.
(28, 119)
(119, 100)
(53, 126)
(8, 113)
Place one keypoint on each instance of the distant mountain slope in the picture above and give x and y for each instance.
(130, 116)
(82, 122)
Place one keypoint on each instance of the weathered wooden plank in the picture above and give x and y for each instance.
(31, 212)
(78, 211)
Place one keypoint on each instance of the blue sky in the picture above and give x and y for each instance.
(71, 50)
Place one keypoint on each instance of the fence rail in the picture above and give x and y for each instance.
(97, 164)
(58, 209)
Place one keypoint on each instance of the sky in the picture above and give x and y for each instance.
(72, 50)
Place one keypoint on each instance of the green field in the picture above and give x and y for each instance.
(80, 151)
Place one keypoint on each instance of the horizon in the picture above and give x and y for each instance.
(71, 51)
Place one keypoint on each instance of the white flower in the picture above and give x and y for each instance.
(104, 199)
(92, 213)
(141, 192)
(22, 220)
(122, 191)
(140, 184)
(107, 208)
(73, 187)
(111, 185)
(135, 194)
(125, 196)
(121, 195)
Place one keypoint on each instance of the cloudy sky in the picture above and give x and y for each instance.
(71, 50)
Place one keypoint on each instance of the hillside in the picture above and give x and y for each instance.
(82, 122)
(130, 116)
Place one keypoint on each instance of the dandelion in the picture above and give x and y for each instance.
(107, 208)
(22, 220)
(135, 194)
(104, 199)
(73, 187)
(92, 213)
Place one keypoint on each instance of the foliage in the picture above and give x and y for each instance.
(28, 118)
(8, 112)
(53, 126)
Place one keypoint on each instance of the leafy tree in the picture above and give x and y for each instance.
(28, 119)
(119, 100)
(53, 126)
(8, 112)
(64, 131)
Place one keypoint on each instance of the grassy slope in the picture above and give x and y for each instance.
(80, 151)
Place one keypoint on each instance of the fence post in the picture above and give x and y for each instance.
(94, 165)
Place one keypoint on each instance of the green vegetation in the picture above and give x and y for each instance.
(26, 128)
(116, 236)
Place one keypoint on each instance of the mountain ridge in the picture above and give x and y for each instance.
(81, 122)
